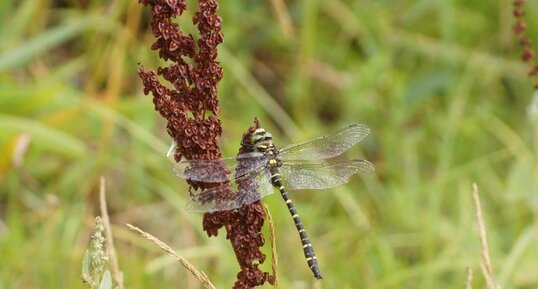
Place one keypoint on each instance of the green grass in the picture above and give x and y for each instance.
(439, 83)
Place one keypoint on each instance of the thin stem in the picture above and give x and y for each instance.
(486, 261)
(114, 267)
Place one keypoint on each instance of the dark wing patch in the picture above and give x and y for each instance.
(219, 170)
(250, 188)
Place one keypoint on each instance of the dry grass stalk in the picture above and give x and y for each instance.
(283, 17)
(274, 256)
(201, 276)
(117, 275)
(469, 280)
(485, 264)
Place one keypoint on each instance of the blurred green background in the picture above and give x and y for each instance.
(439, 83)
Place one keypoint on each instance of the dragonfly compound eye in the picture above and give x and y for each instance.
(267, 136)
(257, 135)
(255, 138)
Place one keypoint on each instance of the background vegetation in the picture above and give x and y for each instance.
(439, 82)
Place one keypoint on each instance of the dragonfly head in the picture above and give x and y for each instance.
(261, 139)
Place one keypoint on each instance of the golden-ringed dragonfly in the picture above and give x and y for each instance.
(306, 165)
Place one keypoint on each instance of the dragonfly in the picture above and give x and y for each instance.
(311, 164)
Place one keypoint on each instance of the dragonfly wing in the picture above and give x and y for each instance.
(211, 200)
(250, 188)
(303, 175)
(219, 170)
(327, 146)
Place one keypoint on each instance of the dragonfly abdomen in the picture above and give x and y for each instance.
(305, 241)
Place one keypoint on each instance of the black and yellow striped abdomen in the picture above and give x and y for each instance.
(307, 246)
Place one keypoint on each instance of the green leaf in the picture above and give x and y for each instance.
(86, 264)
(46, 136)
(49, 39)
(106, 281)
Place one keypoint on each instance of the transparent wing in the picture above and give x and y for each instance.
(250, 189)
(327, 146)
(220, 170)
(302, 175)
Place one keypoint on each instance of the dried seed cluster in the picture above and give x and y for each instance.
(191, 109)
(244, 233)
(195, 86)
(528, 55)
